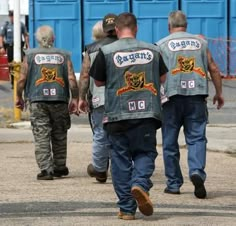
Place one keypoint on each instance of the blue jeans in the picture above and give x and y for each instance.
(101, 145)
(191, 113)
(133, 162)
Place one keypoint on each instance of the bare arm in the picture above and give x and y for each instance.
(215, 73)
(216, 79)
(26, 36)
(99, 83)
(163, 78)
(23, 76)
(72, 80)
(84, 77)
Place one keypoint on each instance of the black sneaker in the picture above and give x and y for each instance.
(100, 176)
(45, 175)
(199, 191)
(168, 191)
(61, 172)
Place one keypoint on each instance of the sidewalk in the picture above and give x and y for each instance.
(221, 137)
(79, 200)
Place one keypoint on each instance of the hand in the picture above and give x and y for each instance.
(83, 106)
(220, 101)
(2, 50)
(73, 106)
(20, 103)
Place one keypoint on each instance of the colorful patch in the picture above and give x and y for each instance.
(136, 82)
(187, 65)
(49, 75)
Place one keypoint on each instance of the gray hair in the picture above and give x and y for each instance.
(97, 31)
(177, 19)
(45, 36)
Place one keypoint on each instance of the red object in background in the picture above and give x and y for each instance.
(4, 68)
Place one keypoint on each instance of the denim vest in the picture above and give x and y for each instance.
(132, 88)
(47, 78)
(97, 92)
(186, 59)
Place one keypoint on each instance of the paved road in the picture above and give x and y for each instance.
(79, 200)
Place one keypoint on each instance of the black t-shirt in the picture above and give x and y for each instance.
(98, 72)
(98, 69)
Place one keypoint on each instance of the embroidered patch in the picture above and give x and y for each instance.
(123, 59)
(53, 92)
(187, 65)
(184, 44)
(49, 92)
(187, 84)
(46, 92)
(191, 84)
(136, 105)
(49, 75)
(136, 82)
(49, 59)
(95, 99)
(184, 84)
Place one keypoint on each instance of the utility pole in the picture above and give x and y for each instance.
(17, 54)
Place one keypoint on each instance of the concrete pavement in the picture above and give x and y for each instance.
(79, 200)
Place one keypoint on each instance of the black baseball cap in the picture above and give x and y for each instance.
(108, 23)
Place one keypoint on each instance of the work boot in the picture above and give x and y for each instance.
(199, 188)
(100, 176)
(61, 172)
(45, 175)
(125, 216)
(144, 203)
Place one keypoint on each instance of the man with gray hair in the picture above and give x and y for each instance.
(49, 84)
(186, 88)
(92, 99)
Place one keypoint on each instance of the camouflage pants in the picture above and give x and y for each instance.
(50, 123)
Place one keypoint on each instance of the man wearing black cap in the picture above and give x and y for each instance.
(92, 101)
(7, 39)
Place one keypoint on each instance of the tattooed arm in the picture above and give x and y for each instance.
(84, 84)
(21, 84)
(72, 80)
(216, 79)
(84, 77)
(73, 105)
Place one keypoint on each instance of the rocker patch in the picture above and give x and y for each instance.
(136, 82)
(49, 75)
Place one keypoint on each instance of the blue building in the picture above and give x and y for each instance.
(73, 20)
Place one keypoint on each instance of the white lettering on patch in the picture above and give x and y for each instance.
(191, 84)
(53, 92)
(136, 105)
(184, 44)
(49, 59)
(187, 84)
(183, 84)
(123, 59)
(46, 92)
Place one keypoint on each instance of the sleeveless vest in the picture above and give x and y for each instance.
(186, 59)
(97, 93)
(47, 78)
(132, 88)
